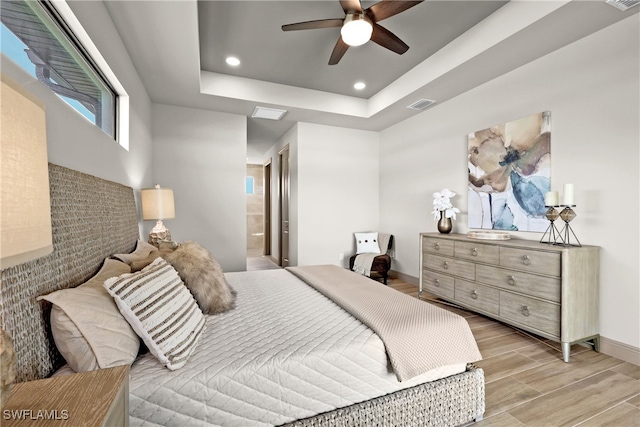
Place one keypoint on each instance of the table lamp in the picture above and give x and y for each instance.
(157, 204)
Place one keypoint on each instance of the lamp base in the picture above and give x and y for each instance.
(159, 233)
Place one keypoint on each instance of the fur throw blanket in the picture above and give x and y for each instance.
(202, 274)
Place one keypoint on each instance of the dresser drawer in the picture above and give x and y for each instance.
(452, 266)
(433, 245)
(437, 283)
(477, 252)
(477, 296)
(548, 288)
(530, 260)
(544, 316)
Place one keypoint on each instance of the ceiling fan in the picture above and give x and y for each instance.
(361, 25)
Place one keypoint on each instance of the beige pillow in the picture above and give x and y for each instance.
(143, 255)
(87, 326)
(203, 276)
(161, 310)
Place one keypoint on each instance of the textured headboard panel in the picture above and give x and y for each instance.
(91, 219)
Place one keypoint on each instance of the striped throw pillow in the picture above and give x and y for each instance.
(161, 310)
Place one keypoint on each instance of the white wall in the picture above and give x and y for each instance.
(337, 190)
(592, 89)
(76, 143)
(334, 191)
(202, 155)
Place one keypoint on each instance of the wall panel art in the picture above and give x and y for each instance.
(509, 174)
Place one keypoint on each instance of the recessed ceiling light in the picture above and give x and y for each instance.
(233, 61)
(359, 85)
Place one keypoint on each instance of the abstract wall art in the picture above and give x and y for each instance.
(509, 173)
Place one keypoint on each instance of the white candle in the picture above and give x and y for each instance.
(568, 197)
(551, 198)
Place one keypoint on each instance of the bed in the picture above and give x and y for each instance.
(329, 369)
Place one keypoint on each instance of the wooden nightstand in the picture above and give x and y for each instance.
(96, 398)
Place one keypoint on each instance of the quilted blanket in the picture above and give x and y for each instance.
(285, 352)
(418, 336)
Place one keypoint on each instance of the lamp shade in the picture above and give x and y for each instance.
(25, 211)
(157, 203)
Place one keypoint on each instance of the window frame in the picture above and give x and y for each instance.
(58, 20)
(92, 64)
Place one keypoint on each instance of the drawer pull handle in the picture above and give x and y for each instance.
(525, 310)
(511, 280)
(436, 246)
(526, 260)
(437, 283)
(445, 265)
(474, 295)
(474, 252)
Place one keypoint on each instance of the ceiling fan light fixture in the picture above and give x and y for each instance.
(356, 30)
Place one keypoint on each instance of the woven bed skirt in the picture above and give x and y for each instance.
(451, 401)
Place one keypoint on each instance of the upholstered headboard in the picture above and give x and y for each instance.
(91, 219)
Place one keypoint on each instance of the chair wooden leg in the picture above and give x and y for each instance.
(384, 276)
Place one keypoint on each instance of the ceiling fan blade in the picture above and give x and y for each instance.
(351, 6)
(386, 38)
(387, 8)
(338, 52)
(312, 25)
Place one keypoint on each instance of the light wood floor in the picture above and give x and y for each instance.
(528, 384)
(260, 263)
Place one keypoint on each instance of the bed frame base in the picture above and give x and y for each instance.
(452, 401)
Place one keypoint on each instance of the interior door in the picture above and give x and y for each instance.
(284, 207)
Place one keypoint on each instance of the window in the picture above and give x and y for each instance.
(36, 37)
(249, 185)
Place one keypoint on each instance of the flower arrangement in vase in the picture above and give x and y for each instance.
(443, 210)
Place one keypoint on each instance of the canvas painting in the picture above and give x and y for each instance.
(509, 174)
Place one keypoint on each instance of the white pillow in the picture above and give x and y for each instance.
(367, 243)
(161, 310)
(88, 328)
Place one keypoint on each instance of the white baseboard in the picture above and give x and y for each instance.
(610, 347)
(620, 350)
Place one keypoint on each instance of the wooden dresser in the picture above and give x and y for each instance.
(549, 290)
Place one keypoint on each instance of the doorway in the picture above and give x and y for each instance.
(255, 210)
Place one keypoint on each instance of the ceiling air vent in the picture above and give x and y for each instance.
(421, 104)
(268, 113)
(623, 4)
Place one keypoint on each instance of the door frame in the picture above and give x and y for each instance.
(266, 170)
(281, 198)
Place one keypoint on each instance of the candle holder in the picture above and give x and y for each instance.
(552, 234)
(567, 214)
